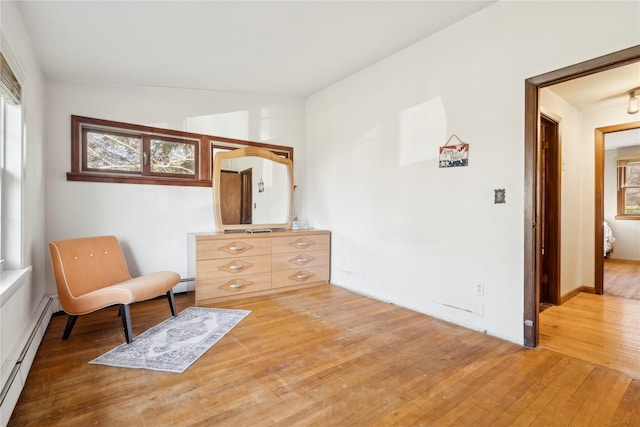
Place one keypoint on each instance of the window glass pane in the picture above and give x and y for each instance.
(633, 174)
(172, 157)
(113, 152)
(632, 201)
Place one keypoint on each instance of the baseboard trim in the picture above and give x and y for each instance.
(586, 289)
(622, 261)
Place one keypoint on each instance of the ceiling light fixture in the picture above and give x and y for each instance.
(633, 102)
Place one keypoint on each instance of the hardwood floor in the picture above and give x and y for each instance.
(601, 329)
(321, 356)
(622, 278)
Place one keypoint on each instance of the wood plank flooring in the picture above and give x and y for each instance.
(622, 278)
(597, 328)
(319, 357)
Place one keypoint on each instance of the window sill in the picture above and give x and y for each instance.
(627, 217)
(10, 281)
(126, 179)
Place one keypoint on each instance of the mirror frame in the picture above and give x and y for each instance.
(215, 179)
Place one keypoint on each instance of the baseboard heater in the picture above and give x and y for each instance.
(25, 350)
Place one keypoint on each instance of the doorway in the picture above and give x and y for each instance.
(549, 212)
(600, 135)
(533, 184)
(236, 200)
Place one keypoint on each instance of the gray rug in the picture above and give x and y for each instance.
(176, 343)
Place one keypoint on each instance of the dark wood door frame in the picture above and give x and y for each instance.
(532, 168)
(599, 214)
(246, 196)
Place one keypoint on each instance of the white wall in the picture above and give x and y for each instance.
(152, 221)
(626, 233)
(419, 236)
(19, 311)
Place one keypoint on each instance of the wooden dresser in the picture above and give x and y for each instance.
(233, 265)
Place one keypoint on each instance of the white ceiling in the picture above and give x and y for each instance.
(600, 90)
(607, 89)
(272, 47)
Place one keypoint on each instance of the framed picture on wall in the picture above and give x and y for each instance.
(454, 155)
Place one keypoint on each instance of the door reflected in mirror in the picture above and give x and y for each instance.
(253, 188)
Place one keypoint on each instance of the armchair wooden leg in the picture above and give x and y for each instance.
(126, 322)
(172, 303)
(71, 321)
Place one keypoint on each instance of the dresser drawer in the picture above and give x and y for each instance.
(221, 287)
(299, 260)
(230, 267)
(313, 242)
(281, 279)
(227, 248)
(237, 265)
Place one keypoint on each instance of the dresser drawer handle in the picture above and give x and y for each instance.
(236, 285)
(236, 267)
(302, 243)
(302, 276)
(302, 259)
(236, 248)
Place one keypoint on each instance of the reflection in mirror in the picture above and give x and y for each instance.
(253, 189)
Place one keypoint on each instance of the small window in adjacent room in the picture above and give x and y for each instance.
(628, 188)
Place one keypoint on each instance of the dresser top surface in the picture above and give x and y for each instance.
(258, 235)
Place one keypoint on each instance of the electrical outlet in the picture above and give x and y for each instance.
(479, 289)
(479, 310)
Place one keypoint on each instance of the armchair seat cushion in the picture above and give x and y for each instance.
(140, 288)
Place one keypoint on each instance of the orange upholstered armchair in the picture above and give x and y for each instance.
(91, 273)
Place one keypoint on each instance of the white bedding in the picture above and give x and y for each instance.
(608, 239)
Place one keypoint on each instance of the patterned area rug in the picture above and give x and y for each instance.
(176, 343)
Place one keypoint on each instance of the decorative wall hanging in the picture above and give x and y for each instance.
(454, 155)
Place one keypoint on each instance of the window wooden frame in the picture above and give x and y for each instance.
(203, 145)
(622, 188)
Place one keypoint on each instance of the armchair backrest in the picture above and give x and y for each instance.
(86, 264)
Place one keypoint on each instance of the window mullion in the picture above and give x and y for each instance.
(146, 155)
(620, 192)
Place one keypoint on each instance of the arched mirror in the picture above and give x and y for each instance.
(252, 190)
